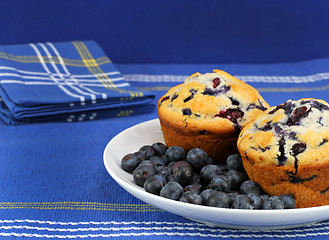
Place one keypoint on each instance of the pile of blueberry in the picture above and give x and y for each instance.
(193, 177)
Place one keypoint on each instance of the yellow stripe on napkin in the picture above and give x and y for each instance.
(54, 59)
(94, 68)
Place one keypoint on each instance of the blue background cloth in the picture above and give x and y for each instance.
(54, 184)
(176, 31)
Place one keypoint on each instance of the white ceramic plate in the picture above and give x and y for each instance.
(148, 133)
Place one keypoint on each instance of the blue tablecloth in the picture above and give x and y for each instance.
(53, 183)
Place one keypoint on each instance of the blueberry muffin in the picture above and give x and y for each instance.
(286, 151)
(208, 111)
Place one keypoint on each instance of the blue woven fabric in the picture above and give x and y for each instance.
(71, 81)
(53, 183)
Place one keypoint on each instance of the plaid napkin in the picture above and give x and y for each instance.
(64, 82)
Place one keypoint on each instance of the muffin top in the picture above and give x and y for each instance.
(292, 134)
(215, 102)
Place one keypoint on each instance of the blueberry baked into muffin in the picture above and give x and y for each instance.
(208, 111)
(286, 151)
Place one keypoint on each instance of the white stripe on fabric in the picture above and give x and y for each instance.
(8, 81)
(22, 71)
(92, 93)
(247, 78)
(61, 78)
(164, 233)
(180, 78)
(97, 75)
(77, 84)
(82, 99)
(151, 228)
(54, 74)
(47, 78)
(204, 228)
(286, 79)
(154, 78)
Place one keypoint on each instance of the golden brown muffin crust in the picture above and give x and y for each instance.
(208, 111)
(286, 150)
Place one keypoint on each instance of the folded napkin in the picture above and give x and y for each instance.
(64, 82)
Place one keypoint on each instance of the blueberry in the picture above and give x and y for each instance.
(285, 106)
(183, 173)
(193, 92)
(236, 178)
(191, 197)
(173, 97)
(278, 129)
(297, 115)
(166, 159)
(234, 115)
(234, 162)
(220, 183)
(298, 148)
(218, 199)
(146, 162)
(170, 165)
(140, 155)
(196, 187)
(242, 201)
(172, 190)
(288, 201)
(264, 197)
(198, 158)
(255, 200)
(292, 134)
(206, 193)
(234, 101)
(223, 168)
(171, 177)
(216, 82)
(163, 170)
(141, 173)
(282, 158)
(250, 186)
(318, 105)
(273, 202)
(323, 142)
(148, 151)
(129, 162)
(267, 127)
(208, 172)
(196, 179)
(210, 161)
(154, 184)
(187, 111)
(215, 92)
(157, 161)
(164, 99)
(175, 154)
(160, 148)
(232, 195)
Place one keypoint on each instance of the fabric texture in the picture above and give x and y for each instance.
(70, 81)
(180, 32)
(54, 184)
